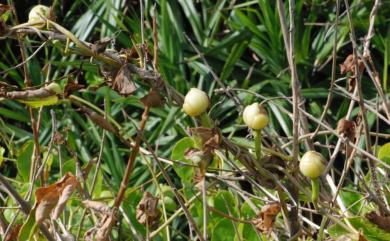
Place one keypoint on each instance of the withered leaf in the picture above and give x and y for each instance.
(195, 155)
(147, 212)
(53, 196)
(266, 218)
(105, 227)
(4, 8)
(347, 128)
(381, 221)
(101, 45)
(210, 138)
(97, 206)
(68, 186)
(58, 138)
(13, 234)
(153, 99)
(45, 200)
(348, 66)
(72, 86)
(123, 82)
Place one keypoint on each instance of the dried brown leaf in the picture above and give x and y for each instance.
(67, 188)
(381, 221)
(13, 234)
(4, 8)
(153, 99)
(147, 212)
(347, 128)
(123, 82)
(54, 196)
(104, 227)
(210, 138)
(266, 218)
(100, 45)
(97, 206)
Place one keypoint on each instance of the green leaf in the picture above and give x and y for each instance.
(29, 227)
(352, 200)
(225, 202)
(51, 100)
(224, 230)
(384, 153)
(369, 230)
(184, 172)
(2, 150)
(23, 162)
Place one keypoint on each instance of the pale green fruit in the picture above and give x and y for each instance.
(312, 164)
(196, 102)
(55, 88)
(255, 117)
(36, 14)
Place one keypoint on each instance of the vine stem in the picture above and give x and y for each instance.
(127, 174)
(315, 190)
(257, 135)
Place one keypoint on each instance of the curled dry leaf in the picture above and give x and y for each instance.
(104, 227)
(100, 45)
(13, 234)
(123, 82)
(88, 167)
(53, 197)
(348, 66)
(266, 218)
(58, 138)
(147, 212)
(209, 138)
(153, 99)
(97, 206)
(42, 92)
(348, 129)
(381, 221)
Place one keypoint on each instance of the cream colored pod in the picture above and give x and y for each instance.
(37, 13)
(255, 117)
(196, 102)
(312, 164)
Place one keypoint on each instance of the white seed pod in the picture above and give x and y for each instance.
(196, 102)
(255, 116)
(312, 164)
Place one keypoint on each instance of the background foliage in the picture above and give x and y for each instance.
(243, 45)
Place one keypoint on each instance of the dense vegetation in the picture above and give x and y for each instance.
(284, 137)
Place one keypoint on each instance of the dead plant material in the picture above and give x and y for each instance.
(13, 235)
(347, 128)
(123, 82)
(153, 99)
(266, 218)
(54, 197)
(381, 221)
(100, 46)
(98, 119)
(147, 212)
(99, 207)
(42, 92)
(348, 66)
(210, 138)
